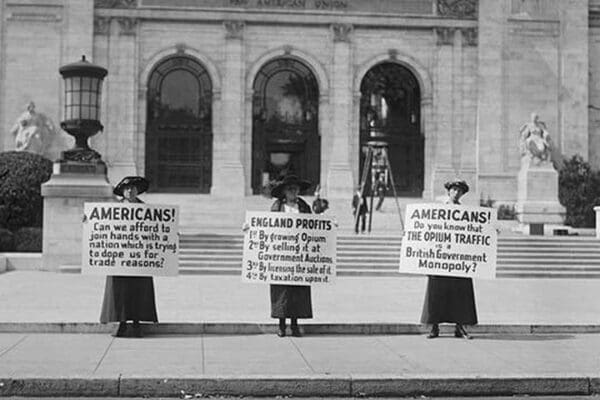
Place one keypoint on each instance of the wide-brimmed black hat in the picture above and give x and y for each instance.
(288, 180)
(139, 182)
(457, 183)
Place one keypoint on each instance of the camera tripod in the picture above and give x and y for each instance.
(376, 162)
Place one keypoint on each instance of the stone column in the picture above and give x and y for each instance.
(339, 177)
(490, 126)
(79, 29)
(228, 172)
(121, 94)
(444, 98)
(3, 125)
(102, 29)
(428, 129)
(574, 78)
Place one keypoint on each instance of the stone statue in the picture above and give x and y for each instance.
(536, 144)
(33, 131)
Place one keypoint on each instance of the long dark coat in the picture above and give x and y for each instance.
(291, 301)
(128, 298)
(449, 299)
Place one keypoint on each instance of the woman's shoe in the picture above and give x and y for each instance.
(281, 331)
(122, 330)
(137, 330)
(461, 332)
(296, 331)
(435, 332)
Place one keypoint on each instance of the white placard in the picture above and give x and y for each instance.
(289, 249)
(450, 240)
(130, 239)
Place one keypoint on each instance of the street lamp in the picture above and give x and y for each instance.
(83, 92)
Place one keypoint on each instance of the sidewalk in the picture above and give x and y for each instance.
(529, 340)
(46, 297)
(321, 365)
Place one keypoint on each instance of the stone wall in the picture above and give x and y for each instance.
(594, 85)
(480, 78)
(37, 38)
(533, 57)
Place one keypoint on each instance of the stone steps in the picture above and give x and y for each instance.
(524, 257)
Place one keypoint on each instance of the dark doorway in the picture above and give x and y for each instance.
(390, 111)
(285, 135)
(179, 127)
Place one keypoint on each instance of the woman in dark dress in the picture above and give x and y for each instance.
(450, 299)
(129, 298)
(289, 301)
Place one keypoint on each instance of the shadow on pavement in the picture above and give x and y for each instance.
(523, 337)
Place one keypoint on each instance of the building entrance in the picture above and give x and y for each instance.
(285, 135)
(390, 106)
(179, 129)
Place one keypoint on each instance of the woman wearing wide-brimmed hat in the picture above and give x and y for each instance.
(450, 299)
(129, 298)
(290, 301)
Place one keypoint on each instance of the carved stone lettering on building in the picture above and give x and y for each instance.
(115, 3)
(457, 8)
(341, 32)
(292, 4)
(422, 7)
(234, 29)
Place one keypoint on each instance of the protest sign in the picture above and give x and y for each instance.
(130, 239)
(450, 240)
(289, 249)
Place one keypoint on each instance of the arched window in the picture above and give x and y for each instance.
(390, 111)
(179, 127)
(285, 122)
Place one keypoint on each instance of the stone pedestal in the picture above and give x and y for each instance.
(597, 210)
(71, 185)
(537, 202)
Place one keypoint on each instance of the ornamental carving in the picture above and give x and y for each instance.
(341, 32)
(180, 48)
(101, 25)
(457, 8)
(469, 36)
(127, 26)
(234, 29)
(115, 3)
(84, 156)
(444, 36)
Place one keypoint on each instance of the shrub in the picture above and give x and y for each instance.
(6, 240)
(21, 175)
(505, 211)
(579, 192)
(486, 203)
(28, 240)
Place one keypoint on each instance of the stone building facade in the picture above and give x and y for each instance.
(216, 96)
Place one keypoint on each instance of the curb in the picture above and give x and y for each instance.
(301, 386)
(234, 328)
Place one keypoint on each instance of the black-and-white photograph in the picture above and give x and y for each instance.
(300, 199)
